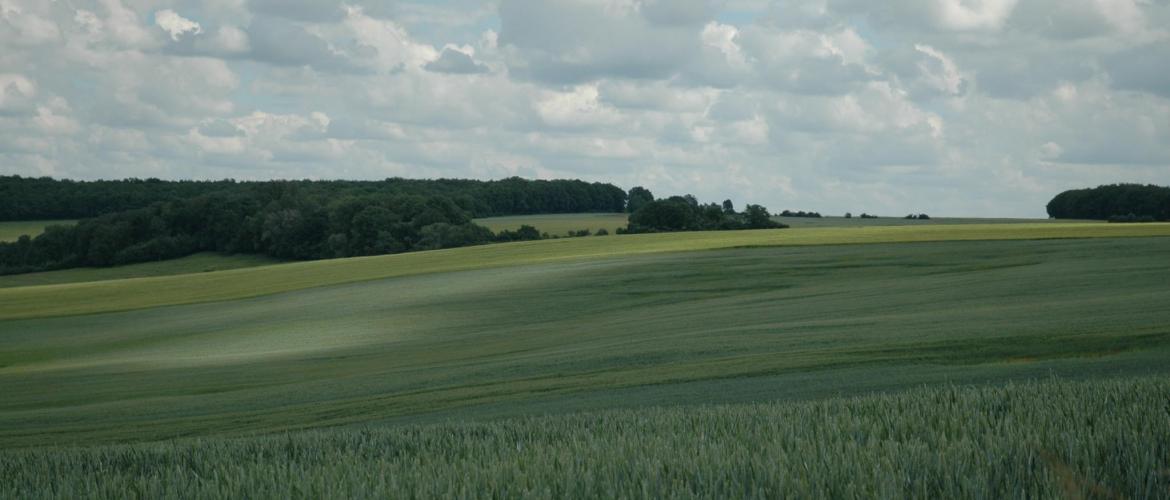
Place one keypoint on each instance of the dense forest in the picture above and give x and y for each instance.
(26, 198)
(1115, 202)
(316, 220)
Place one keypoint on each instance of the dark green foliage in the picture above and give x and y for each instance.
(848, 215)
(684, 213)
(801, 213)
(602, 232)
(289, 225)
(728, 207)
(524, 233)
(671, 214)
(917, 217)
(637, 198)
(868, 216)
(26, 198)
(283, 219)
(1114, 200)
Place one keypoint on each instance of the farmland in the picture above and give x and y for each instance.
(469, 346)
(198, 263)
(561, 224)
(1037, 440)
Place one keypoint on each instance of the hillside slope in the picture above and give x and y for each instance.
(47, 301)
(731, 325)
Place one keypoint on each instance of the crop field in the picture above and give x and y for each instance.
(198, 263)
(558, 224)
(120, 295)
(836, 221)
(1054, 439)
(732, 325)
(11, 231)
(561, 224)
(579, 367)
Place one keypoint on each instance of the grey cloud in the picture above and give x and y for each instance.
(573, 42)
(678, 12)
(1062, 19)
(1022, 77)
(300, 10)
(455, 61)
(1053, 97)
(220, 128)
(282, 42)
(1143, 68)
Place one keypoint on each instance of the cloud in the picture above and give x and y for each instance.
(576, 41)
(1141, 68)
(176, 25)
(956, 107)
(455, 61)
(283, 42)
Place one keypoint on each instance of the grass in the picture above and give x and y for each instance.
(561, 224)
(563, 335)
(11, 231)
(1053, 439)
(834, 221)
(198, 263)
(47, 301)
(558, 224)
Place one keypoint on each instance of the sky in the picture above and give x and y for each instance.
(948, 107)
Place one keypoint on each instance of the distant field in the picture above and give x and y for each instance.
(31, 302)
(1098, 439)
(198, 263)
(11, 231)
(585, 324)
(558, 224)
(801, 222)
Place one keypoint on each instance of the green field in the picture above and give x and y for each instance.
(198, 263)
(1100, 439)
(557, 224)
(561, 224)
(660, 328)
(834, 221)
(11, 231)
(422, 354)
(46, 301)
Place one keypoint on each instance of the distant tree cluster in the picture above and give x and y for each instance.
(26, 198)
(867, 216)
(685, 213)
(917, 217)
(1114, 202)
(285, 223)
(802, 213)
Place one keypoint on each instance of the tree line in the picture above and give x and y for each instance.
(27, 198)
(306, 220)
(685, 213)
(1117, 202)
(285, 223)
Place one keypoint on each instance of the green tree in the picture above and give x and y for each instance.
(637, 198)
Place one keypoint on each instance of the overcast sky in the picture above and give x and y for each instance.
(950, 107)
